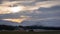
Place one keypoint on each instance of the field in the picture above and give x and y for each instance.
(42, 32)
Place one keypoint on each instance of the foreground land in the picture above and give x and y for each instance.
(41, 32)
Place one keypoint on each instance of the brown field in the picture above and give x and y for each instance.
(30, 32)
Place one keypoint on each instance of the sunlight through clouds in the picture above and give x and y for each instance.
(45, 4)
(31, 11)
(15, 20)
(18, 20)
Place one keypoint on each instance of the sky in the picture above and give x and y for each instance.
(30, 12)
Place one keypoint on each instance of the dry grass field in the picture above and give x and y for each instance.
(42, 32)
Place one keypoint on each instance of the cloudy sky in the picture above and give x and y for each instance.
(30, 12)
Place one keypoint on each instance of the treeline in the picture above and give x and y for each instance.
(41, 27)
(6, 27)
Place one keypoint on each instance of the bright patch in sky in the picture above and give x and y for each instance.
(16, 9)
(15, 20)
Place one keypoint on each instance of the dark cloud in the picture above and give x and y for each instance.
(5, 16)
(44, 22)
(54, 8)
(49, 12)
(0, 1)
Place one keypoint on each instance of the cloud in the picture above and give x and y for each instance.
(31, 5)
(46, 12)
(37, 5)
(2, 22)
(48, 22)
(48, 4)
(19, 20)
(51, 10)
